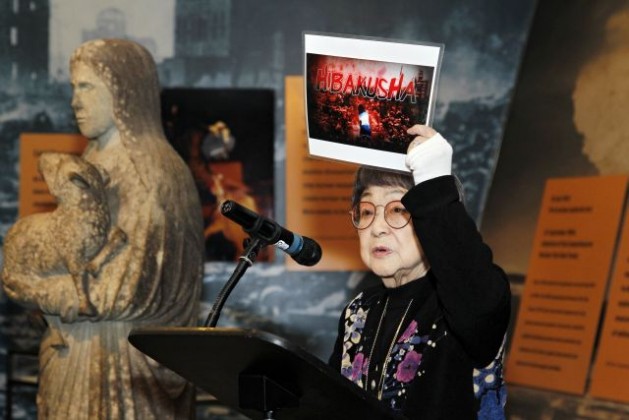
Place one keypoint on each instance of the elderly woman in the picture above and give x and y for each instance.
(88, 369)
(443, 306)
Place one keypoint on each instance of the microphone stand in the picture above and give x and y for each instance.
(246, 260)
(273, 394)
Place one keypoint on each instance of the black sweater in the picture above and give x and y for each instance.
(456, 316)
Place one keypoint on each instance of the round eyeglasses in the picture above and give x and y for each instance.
(364, 213)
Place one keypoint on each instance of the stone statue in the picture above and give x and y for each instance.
(138, 265)
(76, 238)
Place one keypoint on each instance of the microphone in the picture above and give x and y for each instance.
(303, 250)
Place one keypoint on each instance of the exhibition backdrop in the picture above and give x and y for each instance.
(224, 44)
(567, 117)
(567, 123)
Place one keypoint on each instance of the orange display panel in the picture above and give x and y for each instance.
(33, 191)
(574, 243)
(318, 192)
(611, 368)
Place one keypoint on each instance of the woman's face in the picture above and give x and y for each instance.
(92, 103)
(395, 255)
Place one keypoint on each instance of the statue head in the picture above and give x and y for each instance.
(92, 103)
(127, 71)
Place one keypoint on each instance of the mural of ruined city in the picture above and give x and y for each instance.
(253, 45)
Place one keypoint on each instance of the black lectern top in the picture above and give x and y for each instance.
(253, 372)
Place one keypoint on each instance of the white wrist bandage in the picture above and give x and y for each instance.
(430, 159)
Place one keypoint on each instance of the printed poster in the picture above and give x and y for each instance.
(34, 196)
(362, 94)
(611, 368)
(226, 138)
(575, 241)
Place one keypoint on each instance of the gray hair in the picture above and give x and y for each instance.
(371, 177)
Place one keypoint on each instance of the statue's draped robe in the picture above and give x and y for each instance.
(88, 369)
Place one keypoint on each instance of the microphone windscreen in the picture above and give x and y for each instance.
(310, 253)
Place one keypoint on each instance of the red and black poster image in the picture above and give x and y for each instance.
(366, 103)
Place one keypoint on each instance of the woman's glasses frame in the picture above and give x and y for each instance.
(391, 212)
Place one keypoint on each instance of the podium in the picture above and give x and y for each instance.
(258, 374)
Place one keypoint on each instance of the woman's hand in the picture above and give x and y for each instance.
(422, 133)
(429, 155)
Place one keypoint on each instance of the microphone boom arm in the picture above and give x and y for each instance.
(245, 261)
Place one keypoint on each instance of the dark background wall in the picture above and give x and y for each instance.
(567, 118)
(542, 136)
